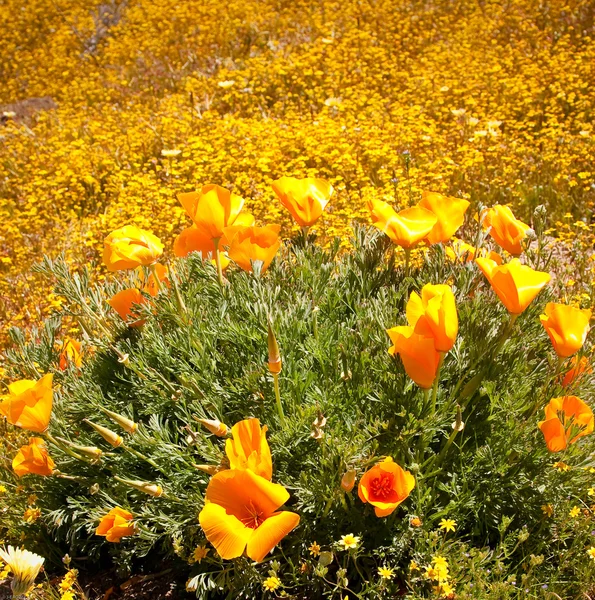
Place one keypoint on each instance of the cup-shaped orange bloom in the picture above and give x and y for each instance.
(33, 458)
(116, 525)
(251, 244)
(434, 314)
(29, 403)
(193, 239)
(578, 368)
(460, 251)
(418, 353)
(241, 514)
(212, 209)
(248, 448)
(450, 213)
(515, 284)
(566, 420)
(305, 198)
(506, 230)
(405, 228)
(126, 304)
(385, 486)
(130, 247)
(567, 327)
(70, 354)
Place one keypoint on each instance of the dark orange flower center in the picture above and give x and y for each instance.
(255, 517)
(382, 486)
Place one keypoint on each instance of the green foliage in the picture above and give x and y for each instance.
(203, 354)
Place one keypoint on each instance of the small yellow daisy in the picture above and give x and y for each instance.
(447, 525)
(270, 584)
(349, 541)
(386, 572)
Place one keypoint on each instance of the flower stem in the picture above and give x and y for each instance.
(407, 260)
(278, 398)
(436, 382)
(153, 268)
(218, 261)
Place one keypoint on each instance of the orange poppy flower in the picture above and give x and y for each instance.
(305, 199)
(460, 251)
(212, 208)
(70, 354)
(194, 239)
(405, 228)
(515, 284)
(29, 403)
(418, 354)
(130, 247)
(116, 525)
(33, 458)
(578, 368)
(126, 303)
(248, 448)
(251, 244)
(450, 213)
(241, 514)
(566, 419)
(567, 327)
(385, 486)
(151, 287)
(506, 230)
(434, 315)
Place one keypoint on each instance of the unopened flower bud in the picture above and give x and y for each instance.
(107, 434)
(348, 480)
(66, 559)
(91, 451)
(94, 489)
(215, 426)
(209, 469)
(152, 489)
(124, 422)
(275, 362)
(458, 424)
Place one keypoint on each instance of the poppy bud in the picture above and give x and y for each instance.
(107, 434)
(91, 451)
(215, 426)
(152, 489)
(348, 480)
(458, 424)
(209, 469)
(275, 362)
(125, 423)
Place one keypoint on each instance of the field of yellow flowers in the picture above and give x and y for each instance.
(134, 132)
(110, 108)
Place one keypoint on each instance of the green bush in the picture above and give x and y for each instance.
(203, 354)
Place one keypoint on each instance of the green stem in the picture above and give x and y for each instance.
(436, 382)
(174, 282)
(305, 230)
(64, 448)
(218, 261)
(278, 398)
(142, 457)
(407, 260)
(158, 283)
(426, 400)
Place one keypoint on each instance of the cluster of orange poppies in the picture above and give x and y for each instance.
(241, 512)
(222, 231)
